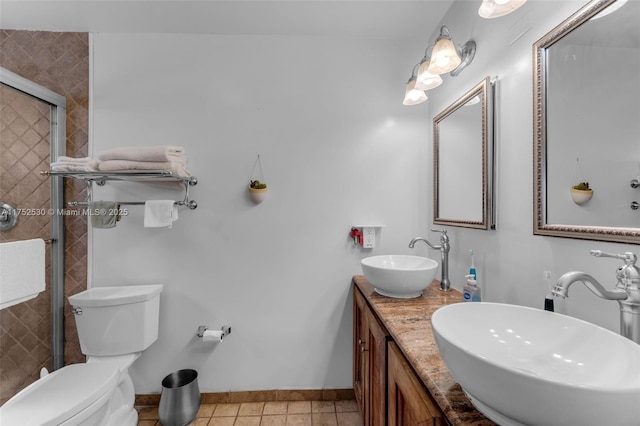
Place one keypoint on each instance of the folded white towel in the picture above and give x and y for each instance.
(160, 213)
(73, 167)
(178, 167)
(74, 160)
(22, 271)
(143, 153)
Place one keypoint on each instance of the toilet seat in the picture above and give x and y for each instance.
(61, 395)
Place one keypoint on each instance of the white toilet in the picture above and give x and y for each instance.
(115, 324)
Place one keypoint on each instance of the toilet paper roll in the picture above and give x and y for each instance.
(212, 336)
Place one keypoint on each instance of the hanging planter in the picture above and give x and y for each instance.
(580, 191)
(257, 189)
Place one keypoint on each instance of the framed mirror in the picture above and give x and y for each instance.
(587, 125)
(463, 160)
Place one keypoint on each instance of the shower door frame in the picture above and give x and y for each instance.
(58, 143)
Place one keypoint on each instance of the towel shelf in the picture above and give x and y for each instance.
(133, 176)
(141, 176)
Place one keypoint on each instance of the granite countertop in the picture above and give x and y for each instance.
(409, 323)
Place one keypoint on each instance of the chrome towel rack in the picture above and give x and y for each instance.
(140, 176)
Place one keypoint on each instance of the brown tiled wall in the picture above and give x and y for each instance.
(59, 62)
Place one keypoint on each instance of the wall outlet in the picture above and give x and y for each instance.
(369, 237)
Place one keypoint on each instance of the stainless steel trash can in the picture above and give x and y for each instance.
(180, 398)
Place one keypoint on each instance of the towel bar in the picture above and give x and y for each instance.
(188, 203)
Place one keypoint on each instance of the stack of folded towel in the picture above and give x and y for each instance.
(161, 157)
(70, 164)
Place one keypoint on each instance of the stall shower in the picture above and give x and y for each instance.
(44, 88)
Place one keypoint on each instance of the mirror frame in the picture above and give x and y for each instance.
(486, 89)
(540, 225)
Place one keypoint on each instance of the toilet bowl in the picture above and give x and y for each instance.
(115, 324)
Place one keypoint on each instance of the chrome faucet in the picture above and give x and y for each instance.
(626, 292)
(445, 284)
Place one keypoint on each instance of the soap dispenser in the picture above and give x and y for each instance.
(472, 292)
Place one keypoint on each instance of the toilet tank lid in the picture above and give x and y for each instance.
(111, 296)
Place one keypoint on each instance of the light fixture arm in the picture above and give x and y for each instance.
(444, 32)
(427, 55)
(413, 72)
(467, 53)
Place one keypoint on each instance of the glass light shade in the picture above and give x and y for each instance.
(413, 96)
(425, 80)
(444, 57)
(497, 8)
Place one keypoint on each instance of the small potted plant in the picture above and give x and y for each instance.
(581, 193)
(257, 191)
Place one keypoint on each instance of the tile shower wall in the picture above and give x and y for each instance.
(25, 329)
(59, 62)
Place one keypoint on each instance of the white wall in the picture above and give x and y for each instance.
(338, 149)
(510, 260)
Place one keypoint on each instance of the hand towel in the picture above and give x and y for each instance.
(143, 153)
(115, 165)
(22, 271)
(71, 164)
(74, 160)
(160, 213)
(177, 168)
(104, 214)
(72, 167)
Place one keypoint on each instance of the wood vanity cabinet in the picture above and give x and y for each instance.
(387, 390)
(409, 402)
(369, 363)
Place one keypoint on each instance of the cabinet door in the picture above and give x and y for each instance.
(376, 370)
(409, 402)
(359, 331)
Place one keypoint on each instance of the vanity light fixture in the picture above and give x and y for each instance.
(412, 95)
(497, 8)
(446, 57)
(425, 80)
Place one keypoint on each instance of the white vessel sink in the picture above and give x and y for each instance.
(401, 276)
(525, 366)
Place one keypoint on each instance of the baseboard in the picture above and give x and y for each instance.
(260, 396)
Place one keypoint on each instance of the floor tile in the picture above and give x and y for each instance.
(202, 421)
(251, 409)
(324, 419)
(299, 407)
(349, 419)
(346, 406)
(147, 422)
(148, 413)
(226, 410)
(206, 410)
(247, 421)
(277, 420)
(222, 421)
(323, 407)
(299, 419)
(274, 408)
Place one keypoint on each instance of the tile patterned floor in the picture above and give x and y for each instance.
(307, 413)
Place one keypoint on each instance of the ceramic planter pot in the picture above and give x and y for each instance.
(581, 196)
(258, 195)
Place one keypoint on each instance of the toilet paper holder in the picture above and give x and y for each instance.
(226, 329)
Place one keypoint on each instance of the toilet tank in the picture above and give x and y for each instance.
(117, 320)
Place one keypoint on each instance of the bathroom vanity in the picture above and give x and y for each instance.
(399, 377)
